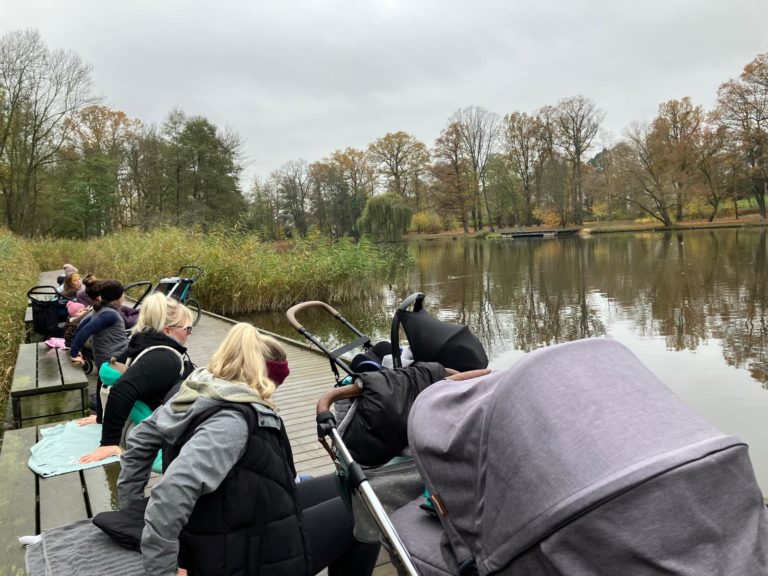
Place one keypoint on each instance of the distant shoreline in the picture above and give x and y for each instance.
(589, 228)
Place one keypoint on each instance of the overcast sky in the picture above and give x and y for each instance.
(298, 79)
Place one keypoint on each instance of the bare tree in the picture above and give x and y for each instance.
(293, 186)
(39, 90)
(523, 138)
(742, 107)
(680, 122)
(577, 121)
(479, 130)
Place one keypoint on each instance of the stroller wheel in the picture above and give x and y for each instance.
(194, 306)
(88, 366)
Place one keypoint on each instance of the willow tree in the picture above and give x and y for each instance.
(385, 217)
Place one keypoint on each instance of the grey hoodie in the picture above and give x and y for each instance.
(206, 459)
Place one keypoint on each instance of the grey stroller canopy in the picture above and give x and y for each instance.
(578, 460)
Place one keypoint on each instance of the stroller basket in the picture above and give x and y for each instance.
(49, 311)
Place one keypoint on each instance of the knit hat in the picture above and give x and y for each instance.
(69, 269)
(110, 290)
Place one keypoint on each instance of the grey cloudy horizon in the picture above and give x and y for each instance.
(300, 79)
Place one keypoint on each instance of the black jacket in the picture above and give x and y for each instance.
(148, 380)
(252, 523)
(378, 430)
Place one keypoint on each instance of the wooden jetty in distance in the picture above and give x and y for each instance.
(542, 233)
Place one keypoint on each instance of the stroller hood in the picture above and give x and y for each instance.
(516, 456)
(452, 345)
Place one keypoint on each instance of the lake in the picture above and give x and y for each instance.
(691, 305)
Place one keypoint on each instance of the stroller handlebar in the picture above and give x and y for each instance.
(197, 271)
(335, 394)
(291, 312)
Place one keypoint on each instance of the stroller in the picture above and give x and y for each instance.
(178, 287)
(389, 468)
(49, 311)
(577, 460)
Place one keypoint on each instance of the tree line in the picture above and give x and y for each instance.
(70, 166)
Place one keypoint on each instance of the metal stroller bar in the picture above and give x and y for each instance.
(326, 426)
(334, 355)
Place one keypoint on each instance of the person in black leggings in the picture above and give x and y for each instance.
(328, 522)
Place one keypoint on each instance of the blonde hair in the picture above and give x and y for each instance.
(241, 358)
(273, 350)
(158, 311)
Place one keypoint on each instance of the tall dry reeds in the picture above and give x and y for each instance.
(242, 273)
(18, 273)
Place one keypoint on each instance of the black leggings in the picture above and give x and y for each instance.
(329, 523)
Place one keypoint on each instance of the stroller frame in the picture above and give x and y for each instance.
(179, 287)
(331, 440)
(335, 356)
(327, 432)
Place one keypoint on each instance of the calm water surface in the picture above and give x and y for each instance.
(690, 305)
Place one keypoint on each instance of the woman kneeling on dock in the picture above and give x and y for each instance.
(228, 503)
(157, 358)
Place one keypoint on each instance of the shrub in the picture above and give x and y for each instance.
(426, 221)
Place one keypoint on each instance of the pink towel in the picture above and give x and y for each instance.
(55, 343)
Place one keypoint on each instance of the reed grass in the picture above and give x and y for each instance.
(242, 273)
(19, 273)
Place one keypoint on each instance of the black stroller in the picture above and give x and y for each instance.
(384, 463)
(179, 287)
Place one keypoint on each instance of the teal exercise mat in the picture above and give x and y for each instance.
(62, 446)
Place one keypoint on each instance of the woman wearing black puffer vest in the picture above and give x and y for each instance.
(228, 503)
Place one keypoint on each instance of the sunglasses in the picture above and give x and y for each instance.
(187, 329)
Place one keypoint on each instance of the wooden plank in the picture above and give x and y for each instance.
(17, 498)
(52, 403)
(48, 372)
(50, 419)
(71, 374)
(101, 488)
(25, 372)
(61, 500)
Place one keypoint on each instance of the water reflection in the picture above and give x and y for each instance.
(687, 287)
(691, 305)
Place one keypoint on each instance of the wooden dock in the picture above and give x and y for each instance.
(296, 398)
(544, 233)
